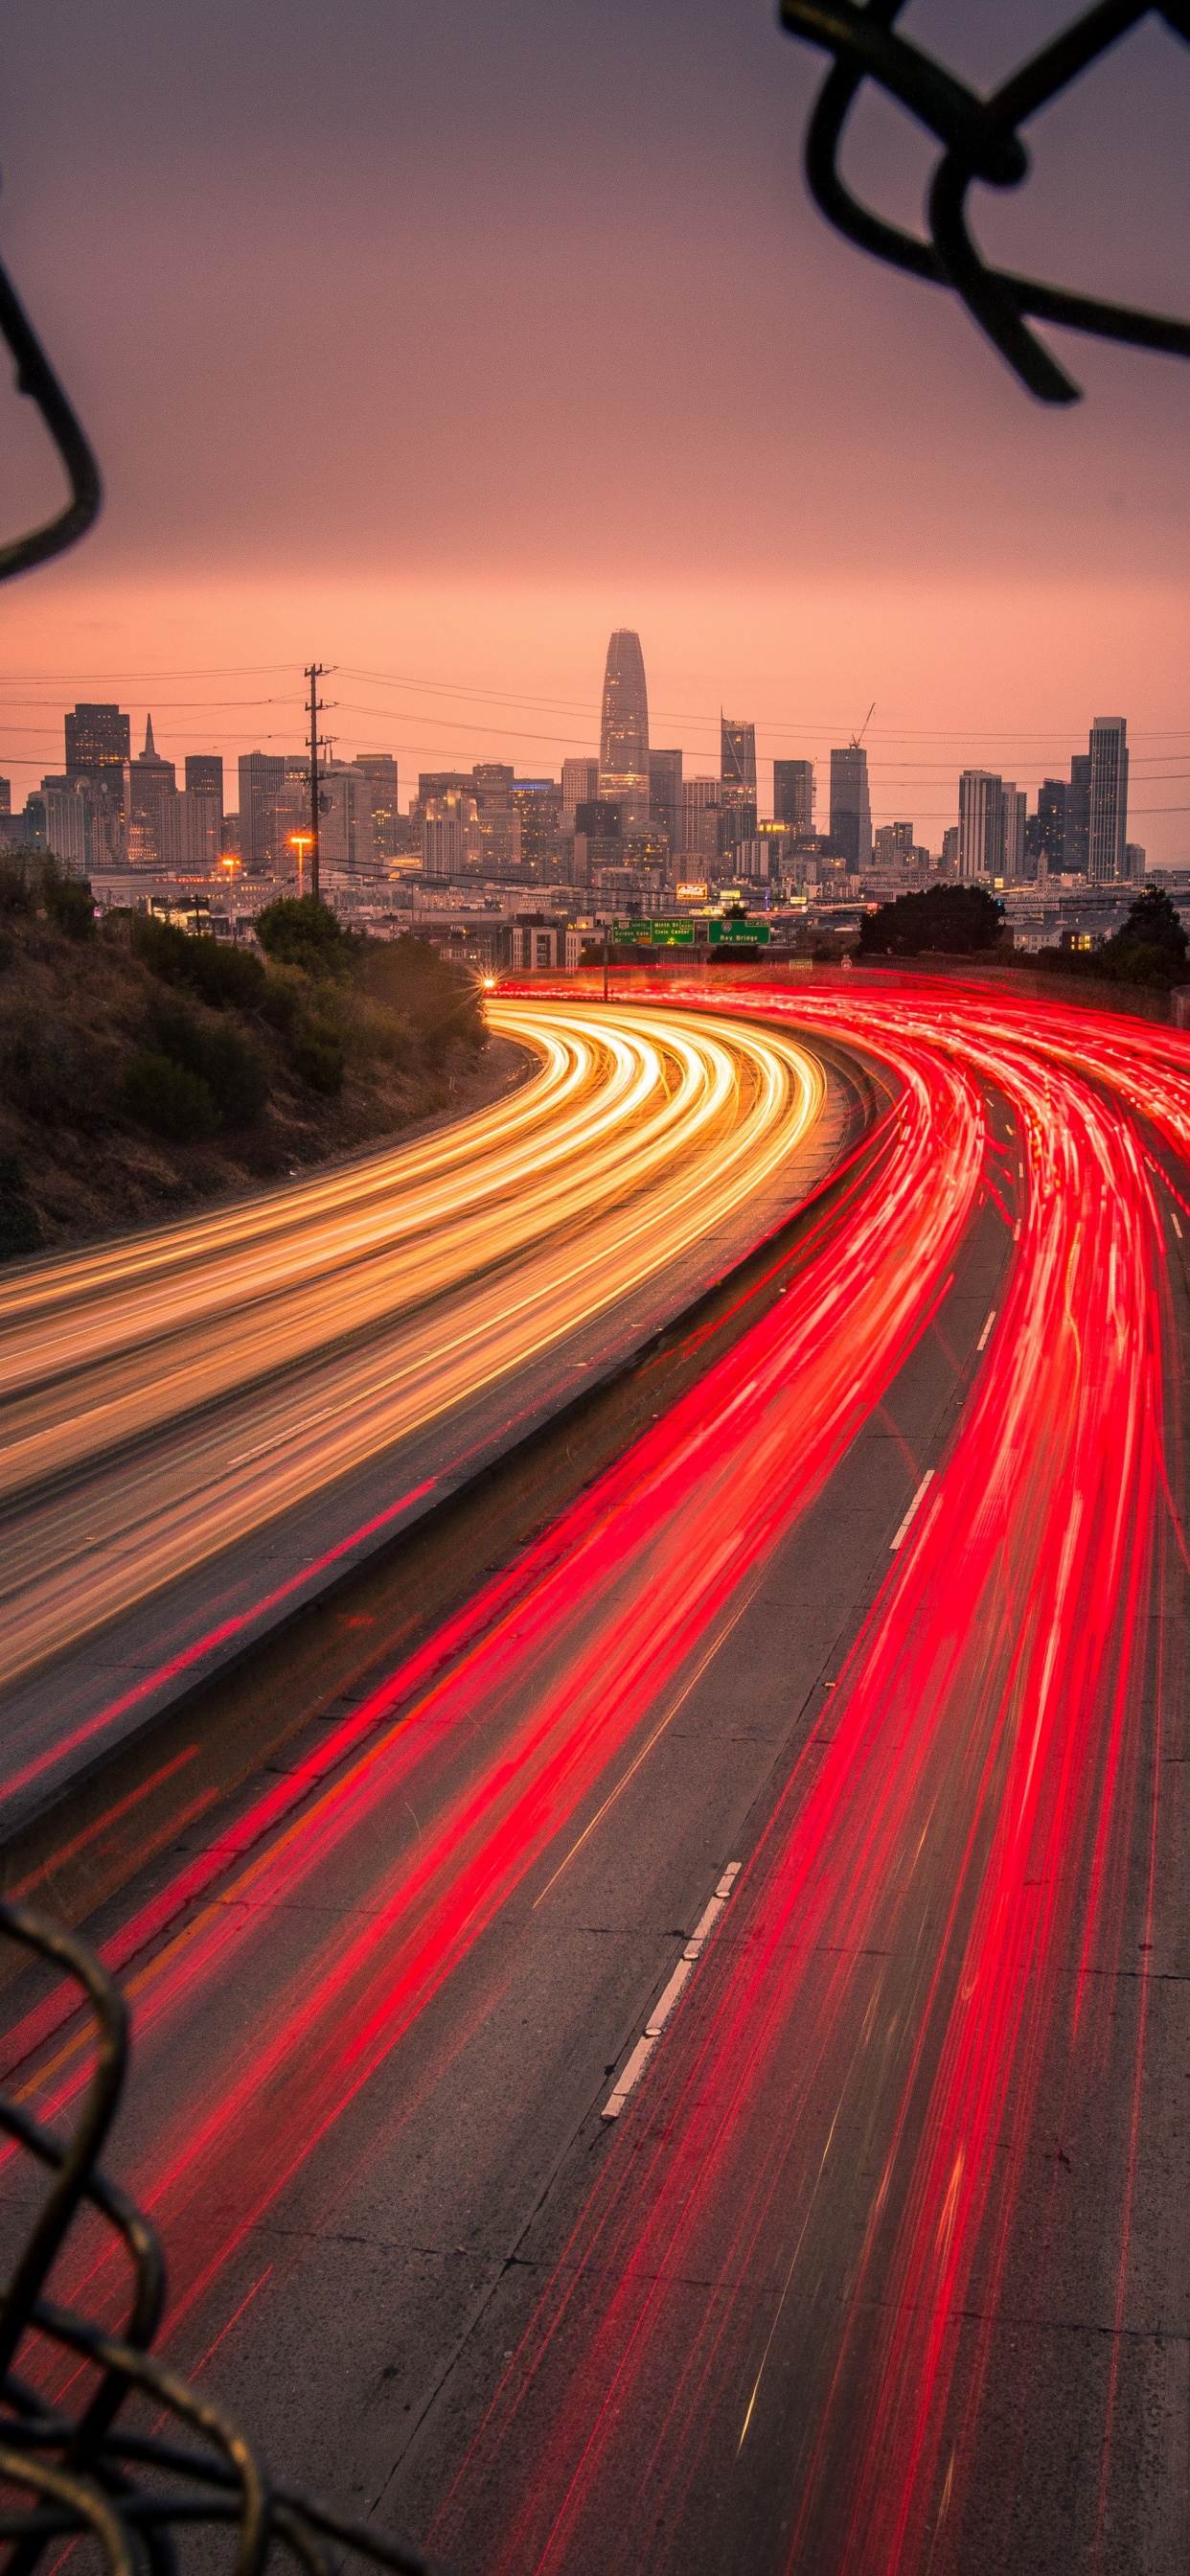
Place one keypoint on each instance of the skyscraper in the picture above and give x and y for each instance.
(1107, 834)
(202, 812)
(981, 823)
(381, 768)
(793, 794)
(851, 810)
(624, 733)
(98, 743)
(1078, 814)
(737, 755)
(665, 795)
(1051, 825)
(263, 818)
(580, 786)
(1012, 867)
(155, 835)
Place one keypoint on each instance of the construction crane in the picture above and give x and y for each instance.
(857, 738)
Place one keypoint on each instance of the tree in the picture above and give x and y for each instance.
(951, 921)
(1154, 921)
(300, 930)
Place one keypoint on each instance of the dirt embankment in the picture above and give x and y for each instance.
(129, 1093)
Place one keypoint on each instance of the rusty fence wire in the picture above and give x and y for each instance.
(81, 2470)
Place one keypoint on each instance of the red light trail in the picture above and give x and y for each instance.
(921, 1948)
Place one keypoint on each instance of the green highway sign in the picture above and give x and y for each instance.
(634, 928)
(673, 934)
(754, 934)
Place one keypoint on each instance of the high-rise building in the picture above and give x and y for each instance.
(950, 851)
(98, 742)
(893, 845)
(1012, 868)
(665, 795)
(737, 756)
(851, 810)
(57, 819)
(5, 795)
(580, 786)
(981, 824)
(1078, 815)
(793, 794)
(538, 803)
(264, 821)
(155, 822)
(624, 732)
(381, 769)
(1107, 835)
(201, 813)
(700, 818)
(1050, 831)
(98, 745)
(737, 784)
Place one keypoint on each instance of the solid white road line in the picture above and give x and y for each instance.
(682, 1973)
(914, 1508)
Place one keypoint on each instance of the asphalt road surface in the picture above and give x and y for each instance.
(863, 1667)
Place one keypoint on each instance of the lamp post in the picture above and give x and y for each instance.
(301, 842)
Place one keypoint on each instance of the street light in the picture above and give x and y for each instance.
(301, 842)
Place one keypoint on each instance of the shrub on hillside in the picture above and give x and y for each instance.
(219, 1057)
(47, 1072)
(213, 968)
(948, 921)
(302, 931)
(439, 1003)
(69, 902)
(18, 882)
(20, 1228)
(318, 1057)
(169, 1098)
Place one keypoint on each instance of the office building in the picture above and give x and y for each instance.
(665, 795)
(5, 796)
(380, 769)
(624, 731)
(1078, 815)
(892, 845)
(265, 822)
(201, 813)
(98, 746)
(851, 810)
(580, 786)
(1107, 819)
(537, 803)
(154, 818)
(700, 818)
(793, 794)
(1012, 867)
(1049, 833)
(57, 821)
(950, 851)
(98, 743)
(990, 820)
(737, 756)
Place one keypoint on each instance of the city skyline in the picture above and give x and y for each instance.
(450, 196)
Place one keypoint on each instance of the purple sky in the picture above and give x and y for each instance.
(436, 342)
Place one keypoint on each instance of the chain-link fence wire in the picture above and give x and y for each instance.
(35, 377)
(85, 2471)
(980, 141)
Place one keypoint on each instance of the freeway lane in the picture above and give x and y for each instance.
(877, 2267)
(168, 1400)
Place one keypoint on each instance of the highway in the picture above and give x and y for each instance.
(878, 1630)
(167, 1396)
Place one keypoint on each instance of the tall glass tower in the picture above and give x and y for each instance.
(624, 733)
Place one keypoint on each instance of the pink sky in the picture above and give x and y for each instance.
(436, 344)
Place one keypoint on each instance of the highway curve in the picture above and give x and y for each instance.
(167, 1396)
(879, 1630)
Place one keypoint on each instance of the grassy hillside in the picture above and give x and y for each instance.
(143, 1071)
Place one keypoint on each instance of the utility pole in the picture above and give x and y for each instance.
(314, 673)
